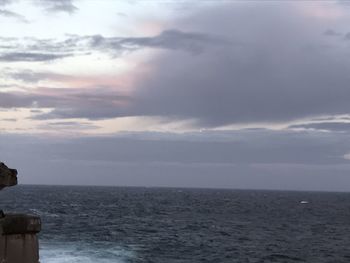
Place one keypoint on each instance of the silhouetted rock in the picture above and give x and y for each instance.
(8, 176)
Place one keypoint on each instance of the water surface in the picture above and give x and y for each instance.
(122, 224)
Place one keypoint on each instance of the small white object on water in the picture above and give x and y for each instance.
(304, 202)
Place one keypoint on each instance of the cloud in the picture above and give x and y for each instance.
(66, 6)
(9, 119)
(347, 36)
(31, 76)
(10, 14)
(4, 2)
(274, 74)
(329, 126)
(29, 57)
(278, 73)
(344, 3)
(236, 159)
(30, 49)
(257, 72)
(222, 65)
(172, 39)
(67, 126)
(331, 32)
(99, 100)
(59, 6)
(177, 40)
(38, 50)
(234, 147)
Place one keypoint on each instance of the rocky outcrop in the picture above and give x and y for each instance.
(18, 239)
(8, 176)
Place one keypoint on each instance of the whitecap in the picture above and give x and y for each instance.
(83, 253)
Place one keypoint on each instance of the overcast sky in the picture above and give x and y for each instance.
(227, 94)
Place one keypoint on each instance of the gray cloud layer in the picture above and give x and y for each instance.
(62, 98)
(283, 72)
(240, 159)
(30, 76)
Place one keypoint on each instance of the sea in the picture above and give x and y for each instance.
(88, 224)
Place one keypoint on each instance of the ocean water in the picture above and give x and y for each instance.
(116, 224)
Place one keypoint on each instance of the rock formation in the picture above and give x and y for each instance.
(18, 239)
(8, 177)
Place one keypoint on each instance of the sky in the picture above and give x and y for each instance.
(214, 94)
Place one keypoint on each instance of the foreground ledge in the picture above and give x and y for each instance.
(18, 238)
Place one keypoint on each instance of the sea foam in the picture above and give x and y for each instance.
(83, 253)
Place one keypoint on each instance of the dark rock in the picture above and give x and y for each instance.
(8, 176)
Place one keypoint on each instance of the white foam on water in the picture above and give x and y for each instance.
(42, 213)
(83, 253)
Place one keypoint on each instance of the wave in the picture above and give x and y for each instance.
(42, 213)
(83, 253)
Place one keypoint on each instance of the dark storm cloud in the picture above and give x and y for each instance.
(282, 72)
(329, 126)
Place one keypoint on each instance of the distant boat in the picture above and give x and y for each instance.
(304, 202)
